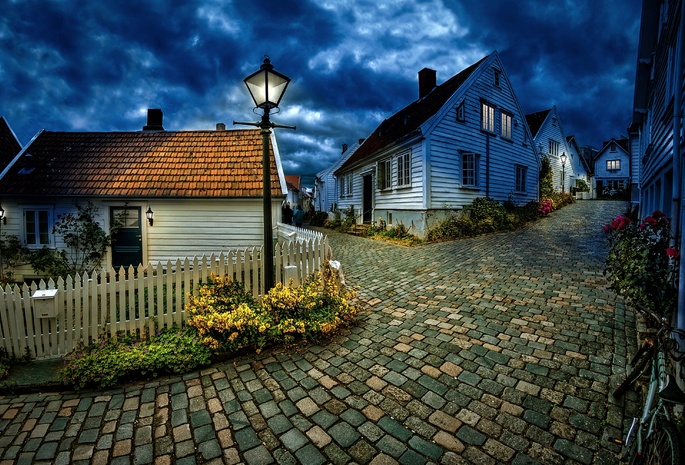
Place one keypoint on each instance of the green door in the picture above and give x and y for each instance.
(127, 241)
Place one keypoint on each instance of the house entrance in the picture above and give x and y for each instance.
(127, 241)
(367, 199)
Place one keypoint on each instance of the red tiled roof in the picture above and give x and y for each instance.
(293, 179)
(9, 145)
(142, 164)
(410, 118)
(535, 121)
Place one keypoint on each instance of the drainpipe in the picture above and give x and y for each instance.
(677, 160)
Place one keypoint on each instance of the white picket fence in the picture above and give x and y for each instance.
(138, 300)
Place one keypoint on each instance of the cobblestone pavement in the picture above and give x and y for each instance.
(496, 349)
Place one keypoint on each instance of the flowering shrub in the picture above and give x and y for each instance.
(544, 207)
(110, 360)
(641, 265)
(316, 308)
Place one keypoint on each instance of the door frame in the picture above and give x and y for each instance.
(367, 191)
(143, 230)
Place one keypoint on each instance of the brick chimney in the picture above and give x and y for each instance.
(344, 148)
(427, 81)
(220, 126)
(154, 120)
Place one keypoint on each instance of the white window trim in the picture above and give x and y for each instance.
(385, 174)
(490, 119)
(510, 126)
(51, 223)
(476, 170)
(404, 159)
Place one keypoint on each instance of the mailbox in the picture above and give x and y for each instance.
(45, 303)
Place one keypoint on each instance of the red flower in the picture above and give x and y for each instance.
(672, 252)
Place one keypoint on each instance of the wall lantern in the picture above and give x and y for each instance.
(3, 218)
(149, 213)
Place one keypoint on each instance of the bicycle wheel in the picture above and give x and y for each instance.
(639, 364)
(663, 447)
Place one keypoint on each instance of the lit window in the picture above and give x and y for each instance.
(37, 228)
(613, 165)
(521, 172)
(553, 148)
(487, 117)
(506, 125)
(404, 169)
(469, 169)
(384, 174)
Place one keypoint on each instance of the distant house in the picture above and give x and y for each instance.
(580, 167)
(294, 196)
(9, 144)
(463, 139)
(551, 141)
(327, 188)
(612, 168)
(203, 187)
(658, 107)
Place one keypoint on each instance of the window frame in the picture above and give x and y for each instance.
(614, 165)
(554, 148)
(470, 158)
(508, 118)
(497, 77)
(404, 169)
(487, 122)
(520, 178)
(461, 112)
(49, 223)
(385, 174)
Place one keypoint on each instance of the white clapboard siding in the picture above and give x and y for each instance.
(140, 300)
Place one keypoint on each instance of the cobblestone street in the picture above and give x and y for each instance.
(494, 349)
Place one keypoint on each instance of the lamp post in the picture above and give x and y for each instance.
(563, 171)
(266, 88)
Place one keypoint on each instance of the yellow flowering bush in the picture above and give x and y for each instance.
(228, 319)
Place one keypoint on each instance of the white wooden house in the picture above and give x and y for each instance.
(612, 168)
(327, 188)
(463, 139)
(658, 108)
(204, 189)
(579, 167)
(551, 142)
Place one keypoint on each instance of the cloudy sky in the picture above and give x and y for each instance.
(94, 65)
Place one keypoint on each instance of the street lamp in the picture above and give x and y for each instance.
(563, 171)
(266, 88)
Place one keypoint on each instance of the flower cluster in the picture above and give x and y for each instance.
(228, 321)
(642, 263)
(544, 207)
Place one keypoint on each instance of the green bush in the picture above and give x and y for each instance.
(581, 185)
(112, 360)
(318, 219)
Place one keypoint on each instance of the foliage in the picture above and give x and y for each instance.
(335, 222)
(12, 254)
(641, 264)
(313, 310)
(546, 178)
(397, 234)
(8, 360)
(111, 360)
(85, 239)
(343, 220)
(318, 218)
(582, 186)
(486, 215)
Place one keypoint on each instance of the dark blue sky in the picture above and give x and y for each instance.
(98, 66)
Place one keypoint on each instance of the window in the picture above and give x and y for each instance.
(497, 77)
(461, 112)
(469, 169)
(520, 174)
(350, 184)
(384, 174)
(612, 147)
(404, 169)
(613, 165)
(346, 185)
(506, 125)
(37, 228)
(553, 148)
(487, 117)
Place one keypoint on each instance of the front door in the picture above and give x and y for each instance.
(127, 240)
(367, 200)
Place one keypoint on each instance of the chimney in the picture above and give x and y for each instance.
(344, 148)
(220, 126)
(360, 141)
(154, 120)
(427, 81)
